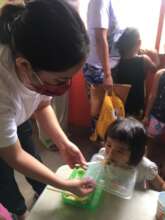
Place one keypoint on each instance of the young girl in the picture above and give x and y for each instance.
(125, 146)
(155, 109)
(132, 69)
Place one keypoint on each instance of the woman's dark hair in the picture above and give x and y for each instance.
(48, 33)
(127, 41)
(132, 133)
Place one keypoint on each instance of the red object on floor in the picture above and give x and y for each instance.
(79, 108)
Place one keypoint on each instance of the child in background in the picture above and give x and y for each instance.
(154, 117)
(132, 69)
(125, 146)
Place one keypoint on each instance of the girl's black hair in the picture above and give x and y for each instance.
(48, 33)
(127, 41)
(132, 133)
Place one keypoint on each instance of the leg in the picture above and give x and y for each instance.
(94, 76)
(25, 136)
(8, 186)
(96, 99)
(156, 152)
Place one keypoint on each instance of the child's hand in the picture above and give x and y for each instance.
(81, 187)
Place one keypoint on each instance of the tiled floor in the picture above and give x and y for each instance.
(53, 160)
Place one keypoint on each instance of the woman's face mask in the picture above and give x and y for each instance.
(50, 83)
(50, 89)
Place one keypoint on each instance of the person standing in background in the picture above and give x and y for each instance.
(102, 29)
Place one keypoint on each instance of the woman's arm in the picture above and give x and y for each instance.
(103, 52)
(18, 159)
(47, 119)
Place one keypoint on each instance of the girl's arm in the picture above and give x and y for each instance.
(153, 55)
(153, 93)
(103, 53)
(149, 65)
(158, 183)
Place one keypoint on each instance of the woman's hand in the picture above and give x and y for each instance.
(72, 155)
(80, 187)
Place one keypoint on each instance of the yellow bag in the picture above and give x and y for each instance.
(118, 106)
(112, 108)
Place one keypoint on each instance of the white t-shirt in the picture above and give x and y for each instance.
(17, 103)
(101, 15)
(147, 170)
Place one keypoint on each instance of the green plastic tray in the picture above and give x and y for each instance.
(91, 201)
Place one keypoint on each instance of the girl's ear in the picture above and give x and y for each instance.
(139, 43)
(137, 46)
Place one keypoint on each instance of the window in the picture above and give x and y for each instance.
(162, 41)
(142, 14)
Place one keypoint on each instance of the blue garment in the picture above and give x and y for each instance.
(93, 75)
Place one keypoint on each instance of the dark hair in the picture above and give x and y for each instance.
(132, 133)
(48, 33)
(127, 41)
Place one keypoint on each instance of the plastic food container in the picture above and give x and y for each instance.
(117, 180)
(120, 181)
(91, 201)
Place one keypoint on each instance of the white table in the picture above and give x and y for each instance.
(49, 206)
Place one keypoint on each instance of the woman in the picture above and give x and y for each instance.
(42, 45)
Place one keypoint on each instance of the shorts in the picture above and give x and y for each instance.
(155, 127)
(93, 75)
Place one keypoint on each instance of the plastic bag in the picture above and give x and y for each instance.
(112, 108)
(120, 181)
